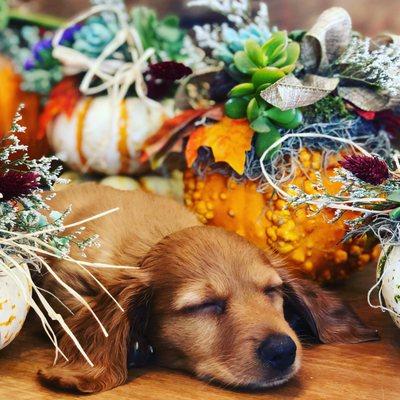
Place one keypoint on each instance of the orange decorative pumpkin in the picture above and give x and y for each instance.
(11, 96)
(308, 243)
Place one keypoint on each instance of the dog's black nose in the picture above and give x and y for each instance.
(278, 352)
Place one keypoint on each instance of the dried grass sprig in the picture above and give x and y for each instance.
(34, 248)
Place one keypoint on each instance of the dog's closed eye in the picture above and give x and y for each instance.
(272, 291)
(209, 307)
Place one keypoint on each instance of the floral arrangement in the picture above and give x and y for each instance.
(280, 111)
(31, 232)
(32, 46)
(122, 61)
(325, 80)
(370, 186)
(243, 104)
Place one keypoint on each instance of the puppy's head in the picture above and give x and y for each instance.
(228, 312)
(210, 303)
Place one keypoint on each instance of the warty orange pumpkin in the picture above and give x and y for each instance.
(309, 243)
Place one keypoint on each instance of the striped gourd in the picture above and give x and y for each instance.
(100, 137)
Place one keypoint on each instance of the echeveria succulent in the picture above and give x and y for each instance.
(94, 36)
(257, 67)
(233, 40)
(165, 35)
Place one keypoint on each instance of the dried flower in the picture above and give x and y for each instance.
(372, 170)
(15, 184)
(169, 70)
(377, 66)
(160, 77)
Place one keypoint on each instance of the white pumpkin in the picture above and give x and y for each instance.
(13, 304)
(389, 273)
(100, 137)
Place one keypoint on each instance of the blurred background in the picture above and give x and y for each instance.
(369, 16)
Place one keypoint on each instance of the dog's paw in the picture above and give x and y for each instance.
(84, 380)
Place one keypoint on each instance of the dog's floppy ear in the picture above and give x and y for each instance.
(108, 354)
(313, 311)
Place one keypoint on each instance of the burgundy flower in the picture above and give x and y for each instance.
(17, 184)
(160, 78)
(369, 169)
(169, 71)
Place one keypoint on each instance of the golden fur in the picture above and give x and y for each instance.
(185, 271)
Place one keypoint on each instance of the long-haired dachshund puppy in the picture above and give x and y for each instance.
(201, 299)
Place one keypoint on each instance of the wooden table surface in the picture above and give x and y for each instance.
(363, 371)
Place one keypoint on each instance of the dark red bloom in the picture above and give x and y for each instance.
(369, 169)
(160, 78)
(169, 71)
(17, 184)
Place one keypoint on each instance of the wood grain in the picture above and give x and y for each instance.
(330, 372)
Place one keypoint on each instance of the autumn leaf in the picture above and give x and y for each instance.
(228, 139)
(63, 99)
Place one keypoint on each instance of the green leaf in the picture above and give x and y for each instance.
(296, 121)
(260, 89)
(264, 140)
(4, 14)
(293, 53)
(255, 53)
(275, 45)
(171, 21)
(243, 89)
(169, 33)
(281, 117)
(163, 35)
(144, 20)
(281, 61)
(253, 110)
(287, 69)
(267, 75)
(395, 214)
(236, 107)
(394, 196)
(243, 63)
(261, 124)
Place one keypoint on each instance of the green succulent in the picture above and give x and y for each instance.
(257, 67)
(94, 36)
(164, 35)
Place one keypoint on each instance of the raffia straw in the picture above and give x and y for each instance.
(46, 326)
(52, 314)
(58, 228)
(57, 254)
(333, 205)
(32, 251)
(70, 290)
(56, 298)
(72, 260)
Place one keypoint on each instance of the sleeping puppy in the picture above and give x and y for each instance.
(199, 299)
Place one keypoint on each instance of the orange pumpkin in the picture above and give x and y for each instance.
(11, 96)
(309, 243)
